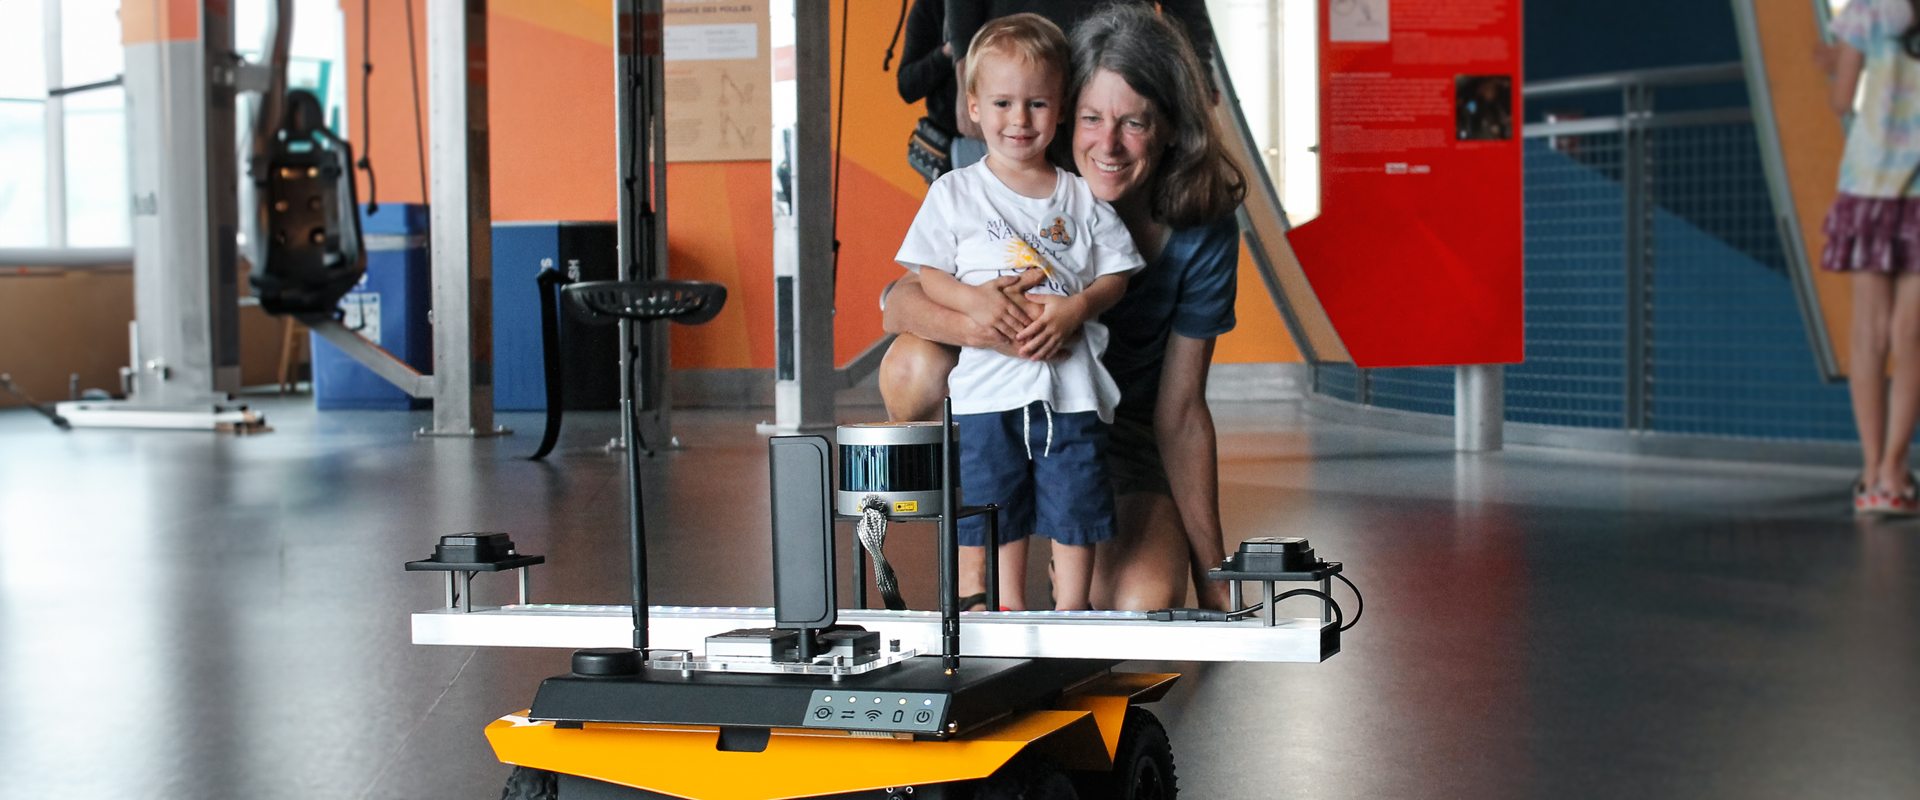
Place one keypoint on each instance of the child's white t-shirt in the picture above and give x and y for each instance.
(973, 227)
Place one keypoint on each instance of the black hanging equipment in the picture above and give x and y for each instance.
(308, 215)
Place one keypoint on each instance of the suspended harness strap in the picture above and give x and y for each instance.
(872, 530)
(549, 282)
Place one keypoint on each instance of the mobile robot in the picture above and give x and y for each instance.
(810, 700)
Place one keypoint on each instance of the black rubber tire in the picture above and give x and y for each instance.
(531, 784)
(1029, 776)
(1142, 764)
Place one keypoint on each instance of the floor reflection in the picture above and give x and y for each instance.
(186, 616)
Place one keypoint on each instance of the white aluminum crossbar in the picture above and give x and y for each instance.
(1119, 635)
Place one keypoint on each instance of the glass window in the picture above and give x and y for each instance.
(1271, 50)
(23, 64)
(23, 174)
(97, 194)
(89, 41)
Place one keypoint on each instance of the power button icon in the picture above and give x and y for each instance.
(923, 717)
(822, 713)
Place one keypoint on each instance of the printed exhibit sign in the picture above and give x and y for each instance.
(1417, 252)
(718, 67)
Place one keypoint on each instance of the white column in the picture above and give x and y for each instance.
(803, 225)
(461, 213)
(55, 127)
(1479, 407)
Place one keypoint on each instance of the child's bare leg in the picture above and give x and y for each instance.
(1013, 573)
(1072, 576)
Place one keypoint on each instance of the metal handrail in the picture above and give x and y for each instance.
(1673, 119)
(1728, 72)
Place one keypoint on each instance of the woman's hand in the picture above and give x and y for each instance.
(909, 309)
(993, 306)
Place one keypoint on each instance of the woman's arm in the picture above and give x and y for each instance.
(909, 310)
(984, 304)
(1183, 427)
(1847, 63)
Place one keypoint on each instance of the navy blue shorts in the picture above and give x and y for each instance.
(1060, 492)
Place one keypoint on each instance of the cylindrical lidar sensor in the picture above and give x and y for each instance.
(896, 462)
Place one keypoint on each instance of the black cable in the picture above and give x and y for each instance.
(366, 109)
(1210, 615)
(897, 27)
(1360, 603)
(1339, 617)
(1359, 609)
(419, 126)
(839, 136)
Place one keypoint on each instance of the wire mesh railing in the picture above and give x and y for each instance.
(1656, 287)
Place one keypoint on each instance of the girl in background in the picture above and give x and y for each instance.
(1873, 232)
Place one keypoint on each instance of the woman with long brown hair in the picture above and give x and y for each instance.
(1143, 136)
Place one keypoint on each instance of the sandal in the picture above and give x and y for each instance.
(970, 602)
(1904, 503)
(1868, 501)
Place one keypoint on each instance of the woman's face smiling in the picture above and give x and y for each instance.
(1116, 141)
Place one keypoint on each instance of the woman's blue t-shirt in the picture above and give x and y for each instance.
(1188, 290)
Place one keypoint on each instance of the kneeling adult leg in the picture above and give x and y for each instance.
(1144, 566)
(913, 377)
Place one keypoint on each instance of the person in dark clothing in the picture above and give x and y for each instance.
(927, 72)
(926, 63)
(964, 17)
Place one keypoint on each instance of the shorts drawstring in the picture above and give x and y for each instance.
(1026, 429)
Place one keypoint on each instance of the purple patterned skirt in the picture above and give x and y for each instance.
(1877, 234)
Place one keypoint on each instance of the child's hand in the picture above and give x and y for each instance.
(1059, 322)
(991, 307)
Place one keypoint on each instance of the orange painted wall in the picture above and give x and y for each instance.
(551, 63)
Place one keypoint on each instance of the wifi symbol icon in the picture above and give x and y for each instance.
(873, 716)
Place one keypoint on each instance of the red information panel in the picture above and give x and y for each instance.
(1416, 254)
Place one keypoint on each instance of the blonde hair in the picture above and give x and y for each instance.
(1031, 38)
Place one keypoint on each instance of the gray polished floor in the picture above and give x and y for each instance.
(197, 616)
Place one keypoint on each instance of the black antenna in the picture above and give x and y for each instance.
(949, 544)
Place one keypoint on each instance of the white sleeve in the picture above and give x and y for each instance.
(1110, 251)
(931, 240)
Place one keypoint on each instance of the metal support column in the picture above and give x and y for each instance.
(1637, 251)
(462, 219)
(56, 130)
(183, 179)
(1479, 407)
(803, 259)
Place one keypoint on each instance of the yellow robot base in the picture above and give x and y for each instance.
(1091, 730)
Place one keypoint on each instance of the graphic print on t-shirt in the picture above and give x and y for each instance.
(1024, 252)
